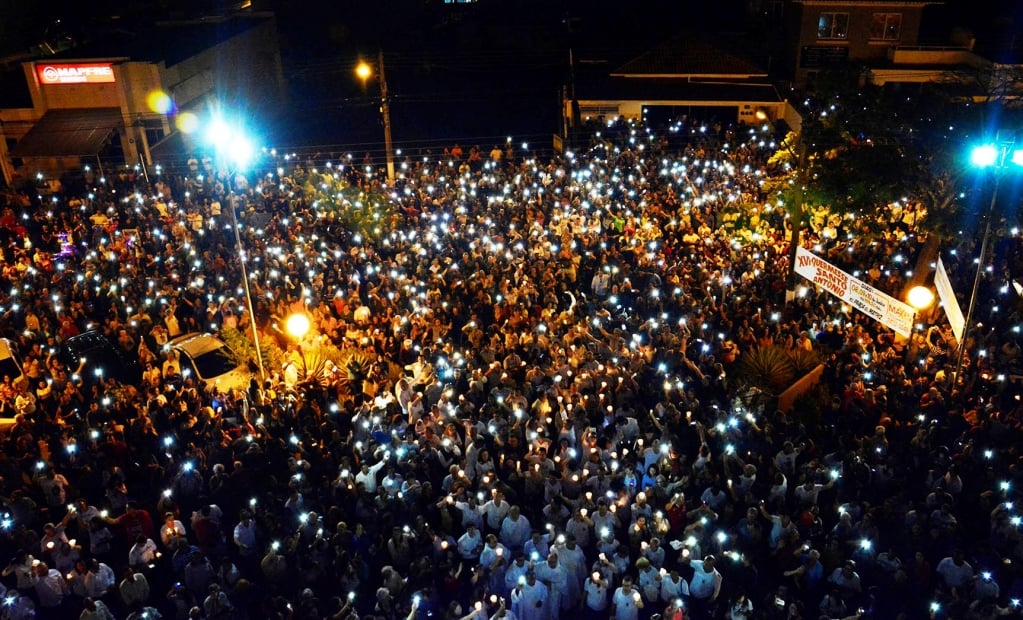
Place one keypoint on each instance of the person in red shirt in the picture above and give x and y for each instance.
(134, 522)
(676, 511)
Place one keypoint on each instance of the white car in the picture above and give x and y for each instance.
(211, 362)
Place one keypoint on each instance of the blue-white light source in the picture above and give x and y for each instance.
(984, 156)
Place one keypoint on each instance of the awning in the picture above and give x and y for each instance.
(171, 149)
(69, 132)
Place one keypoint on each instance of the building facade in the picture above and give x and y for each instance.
(118, 101)
(825, 33)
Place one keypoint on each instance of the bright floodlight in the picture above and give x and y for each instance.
(984, 156)
(219, 134)
(240, 151)
(297, 325)
(920, 297)
(1017, 157)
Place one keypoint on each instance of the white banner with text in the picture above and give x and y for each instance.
(876, 304)
(947, 295)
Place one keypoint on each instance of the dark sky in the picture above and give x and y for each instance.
(469, 71)
(418, 22)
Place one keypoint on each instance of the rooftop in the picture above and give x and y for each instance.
(167, 42)
(689, 55)
(666, 89)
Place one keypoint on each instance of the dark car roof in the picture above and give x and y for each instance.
(99, 353)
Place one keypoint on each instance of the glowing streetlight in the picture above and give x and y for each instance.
(364, 71)
(297, 325)
(920, 297)
(992, 155)
(233, 148)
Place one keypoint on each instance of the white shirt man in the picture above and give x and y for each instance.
(529, 600)
(170, 531)
(50, 586)
(516, 571)
(493, 553)
(469, 543)
(99, 580)
(806, 493)
(648, 581)
(515, 529)
(368, 476)
(554, 575)
(580, 527)
(470, 514)
(673, 586)
(134, 589)
(495, 511)
(785, 459)
(595, 592)
(706, 581)
(571, 556)
(602, 519)
(245, 536)
(141, 554)
(955, 571)
(626, 602)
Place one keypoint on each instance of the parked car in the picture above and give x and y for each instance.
(93, 356)
(211, 362)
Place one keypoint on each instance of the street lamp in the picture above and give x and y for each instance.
(234, 148)
(364, 71)
(992, 155)
(920, 297)
(297, 325)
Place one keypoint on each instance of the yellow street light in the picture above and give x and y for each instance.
(363, 70)
(297, 325)
(920, 297)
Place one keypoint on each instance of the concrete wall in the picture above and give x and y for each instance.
(245, 72)
(787, 398)
(609, 108)
(860, 46)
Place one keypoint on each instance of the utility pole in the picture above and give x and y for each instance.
(385, 111)
(796, 215)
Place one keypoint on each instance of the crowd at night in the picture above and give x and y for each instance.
(551, 419)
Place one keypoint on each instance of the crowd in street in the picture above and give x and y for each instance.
(555, 418)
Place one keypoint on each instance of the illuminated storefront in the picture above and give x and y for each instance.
(117, 101)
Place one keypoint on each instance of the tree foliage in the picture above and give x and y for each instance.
(364, 211)
(869, 146)
(769, 369)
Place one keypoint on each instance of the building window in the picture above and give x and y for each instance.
(833, 26)
(886, 27)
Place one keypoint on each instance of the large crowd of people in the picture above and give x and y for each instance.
(548, 411)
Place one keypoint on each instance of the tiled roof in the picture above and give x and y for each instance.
(689, 55)
(662, 89)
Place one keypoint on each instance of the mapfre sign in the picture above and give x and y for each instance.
(91, 73)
